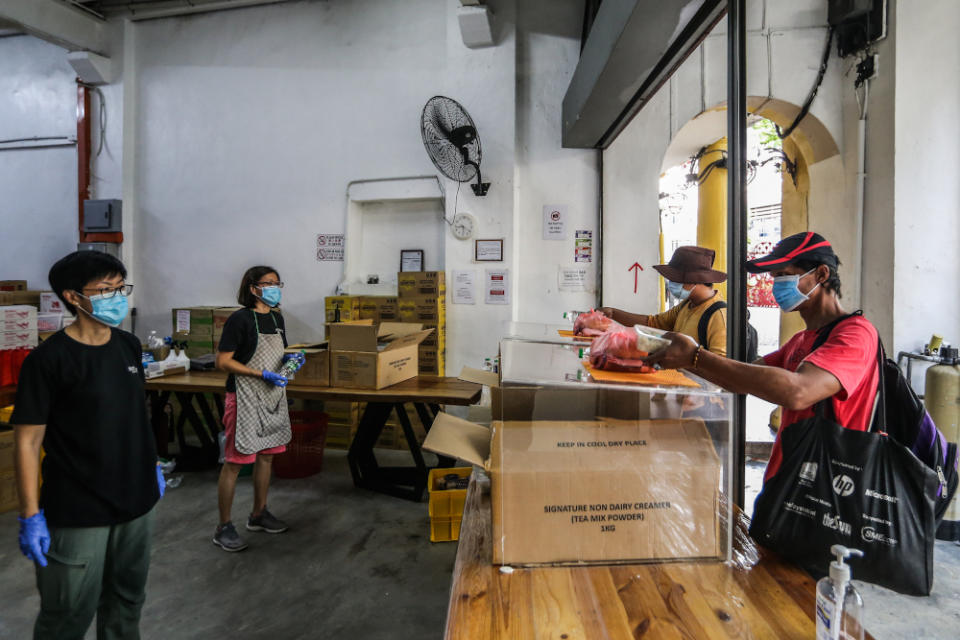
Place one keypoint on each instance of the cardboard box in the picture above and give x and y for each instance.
(341, 308)
(437, 339)
(6, 450)
(19, 339)
(426, 310)
(365, 356)
(432, 361)
(220, 317)
(412, 284)
(13, 285)
(8, 491)
(50, 303)
(192, 321)
(594, 491)
(342, 412)
(315, 372)
(18, 318)
(197, 348)
(379, 308)
(31, 298)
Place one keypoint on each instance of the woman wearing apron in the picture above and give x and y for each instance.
(255, 417)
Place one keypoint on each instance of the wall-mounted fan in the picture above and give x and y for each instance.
(451, 141)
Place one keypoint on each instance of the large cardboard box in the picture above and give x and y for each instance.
(432, 361)
(50, 303)
(18, 318)
(19, 339)
(197, 347)
(597, 491)
(31, 298)
(13, 285)
(315, 372)
(6, 450)
(220, 317)
(195, 322)
(412, 284)
(365, 356)
(423, 309)
(342, 308)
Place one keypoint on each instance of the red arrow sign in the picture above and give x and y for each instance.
(636, 268)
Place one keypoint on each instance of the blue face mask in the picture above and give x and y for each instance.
(677, 291)
(786, 291)
(270, 295)
(110, 311)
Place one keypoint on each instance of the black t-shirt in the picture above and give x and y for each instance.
(100, 467)
(240, 336)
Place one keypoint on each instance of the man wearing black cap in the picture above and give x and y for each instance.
(797, 377)
(701, 313)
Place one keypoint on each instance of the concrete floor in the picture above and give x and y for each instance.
(355, 565)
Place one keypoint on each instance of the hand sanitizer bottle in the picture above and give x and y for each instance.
(839, 605)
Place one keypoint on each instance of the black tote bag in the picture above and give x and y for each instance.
(855, 488)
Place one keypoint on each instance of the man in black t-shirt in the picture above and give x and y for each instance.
(80, 395)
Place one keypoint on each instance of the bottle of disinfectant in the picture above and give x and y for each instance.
(839, 605)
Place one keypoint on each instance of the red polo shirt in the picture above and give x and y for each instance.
(850, 354)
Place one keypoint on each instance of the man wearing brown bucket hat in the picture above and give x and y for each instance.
(702, 313)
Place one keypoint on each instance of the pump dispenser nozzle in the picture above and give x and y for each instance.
(840, 571)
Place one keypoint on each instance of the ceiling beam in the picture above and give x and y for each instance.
(58, 23)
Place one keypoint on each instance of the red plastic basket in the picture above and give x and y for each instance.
(304, 454)
(10, 362)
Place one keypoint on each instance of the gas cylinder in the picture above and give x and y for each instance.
(942, 400)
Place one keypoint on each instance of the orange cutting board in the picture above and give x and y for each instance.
(663, 377)
(567, 333)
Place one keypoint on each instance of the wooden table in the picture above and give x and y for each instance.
(682, 600)
(426, 393)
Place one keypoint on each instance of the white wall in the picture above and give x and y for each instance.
(926, 269)
(548, 48)
(250, 123)
(785, 45)
(38, 187)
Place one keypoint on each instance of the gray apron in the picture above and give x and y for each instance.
(263, 421)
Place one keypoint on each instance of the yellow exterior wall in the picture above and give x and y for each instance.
(794, 219)
(712, 209)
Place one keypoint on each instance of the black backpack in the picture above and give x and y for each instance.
(908, 422)
(753, 341)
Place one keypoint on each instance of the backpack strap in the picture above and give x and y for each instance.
(705, 320)
(824, 332)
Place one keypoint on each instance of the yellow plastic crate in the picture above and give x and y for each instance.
(446, 503)
(444, 529)
(5, 413)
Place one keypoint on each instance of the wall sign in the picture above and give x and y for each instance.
(488, 250)
(463, 287)
(572, 279)
(554, 222)
(583, 245)
(497, 286)
(330, 247)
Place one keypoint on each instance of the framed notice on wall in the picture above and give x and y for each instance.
(411, 260)
(489, 250)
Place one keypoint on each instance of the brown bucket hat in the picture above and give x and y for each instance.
(691, 265)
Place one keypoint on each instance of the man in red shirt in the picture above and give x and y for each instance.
(843, 369)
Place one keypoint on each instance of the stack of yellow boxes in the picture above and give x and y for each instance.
(344, 418)
(379, 308)
(423, 296)
(8, 481)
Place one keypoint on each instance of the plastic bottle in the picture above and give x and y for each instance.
(290, 366)
(487, 364)
(839, 605)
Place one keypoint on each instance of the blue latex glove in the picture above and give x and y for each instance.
(161, 481)
(299, 357)
(274, 378)
(35, 538)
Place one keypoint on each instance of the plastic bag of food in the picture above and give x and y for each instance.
(617, 350)
(593, 324)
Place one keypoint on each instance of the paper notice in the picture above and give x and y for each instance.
(497, 286)
(330, 247)
(583, 246)
(183, 320)
(554, 222)
(464, 287)
(572, 278)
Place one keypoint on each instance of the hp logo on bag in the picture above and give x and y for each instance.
(843, 485)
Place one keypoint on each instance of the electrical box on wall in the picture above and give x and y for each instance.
(102, 216)
(105, 247)
(858, 23)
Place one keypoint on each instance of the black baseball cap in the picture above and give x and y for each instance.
(806, 246)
